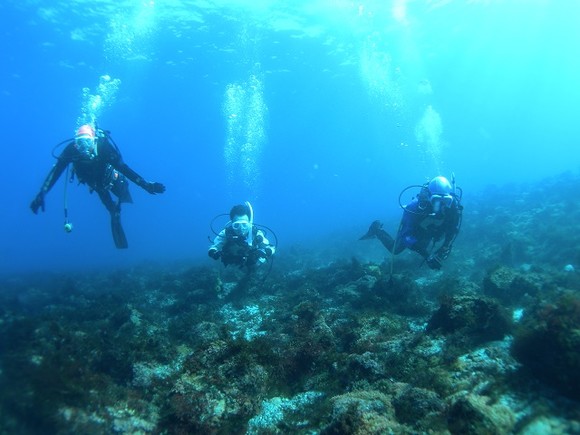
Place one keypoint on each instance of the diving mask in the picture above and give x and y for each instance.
(241, 226)
(441, 201)
(86, 145)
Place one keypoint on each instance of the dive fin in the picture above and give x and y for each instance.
(118, 233)
(373, 230)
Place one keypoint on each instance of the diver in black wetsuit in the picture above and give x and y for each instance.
(434, 216)
(97, 163)
(241, 242)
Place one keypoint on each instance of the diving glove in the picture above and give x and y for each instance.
(37, 203)
(434, 262)
(154, 188)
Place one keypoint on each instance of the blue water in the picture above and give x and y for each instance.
(318, 112)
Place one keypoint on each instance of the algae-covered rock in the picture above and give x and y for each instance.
(420, 408)
(508, 285)
(363, 413)
(474, 415)
(480, 318)
(547, 342)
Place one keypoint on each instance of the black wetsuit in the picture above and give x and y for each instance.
(236, 249)
(104, 173)
(421, 227)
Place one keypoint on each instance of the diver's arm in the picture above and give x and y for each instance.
(263, 244)
(124, 169)
(219, 241)
(113, 156)
(215, 249)
(452, 227)
(451, 231)
(54, 174)
(151, 187)
(115, 159)
(67, 156)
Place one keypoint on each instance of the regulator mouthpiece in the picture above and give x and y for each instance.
(68, 227)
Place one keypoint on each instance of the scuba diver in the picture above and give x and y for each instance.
(241, 242)
(433, 215)
(96, 162)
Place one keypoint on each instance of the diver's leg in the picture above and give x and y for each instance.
(387, 241)
(121, 189)
(421, 247)
(376, 230)
(115, 211)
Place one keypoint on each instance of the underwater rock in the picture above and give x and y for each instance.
(547, 342)
(402, 295)
(550, 425)
(161, 352)
(420, 408)
(128, 417)
(472, 414)
(283, 413)
(368, 363)
(207, 332)
(508, 285)
(246, 322)
(310, 347)
(478, 319)
(362, 413)
(482, 369)
(200, 405)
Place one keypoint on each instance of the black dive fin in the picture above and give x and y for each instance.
(118, 233)
(373, 230)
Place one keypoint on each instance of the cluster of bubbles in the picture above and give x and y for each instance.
(391, 86)
(245, 111)
(379, 74)
(94, 103)
(125, 40)
(428, 132)
(129, 32)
